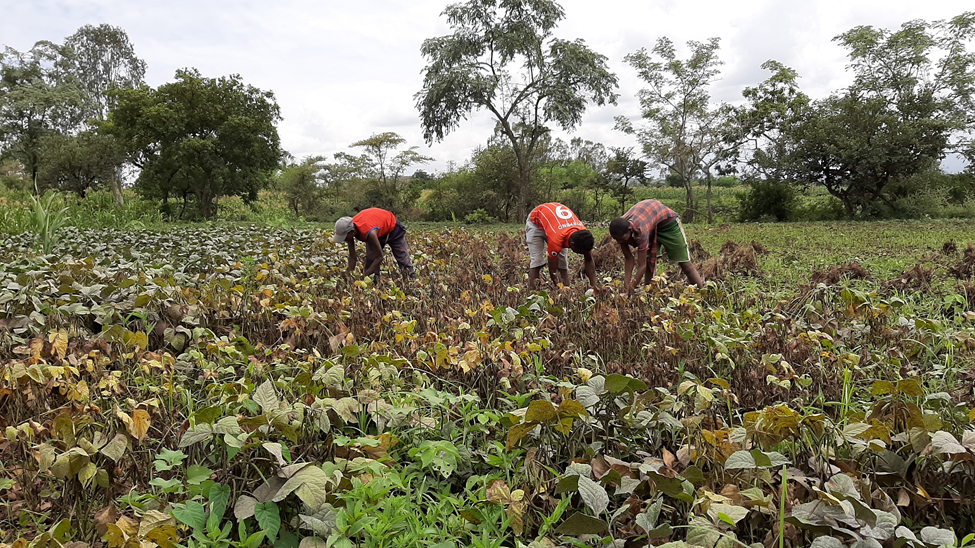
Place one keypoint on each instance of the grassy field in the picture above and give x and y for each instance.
(231, 386)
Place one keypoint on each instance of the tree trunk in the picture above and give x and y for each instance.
(688, 215)
(710, 209)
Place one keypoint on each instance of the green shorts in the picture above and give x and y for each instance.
(673, 239)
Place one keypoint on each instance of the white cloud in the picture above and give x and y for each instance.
(342, 71)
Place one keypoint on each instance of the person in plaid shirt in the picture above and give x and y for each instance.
(644, 226)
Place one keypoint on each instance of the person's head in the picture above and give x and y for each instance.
(581, 241)
(344, 229)
(619, 229)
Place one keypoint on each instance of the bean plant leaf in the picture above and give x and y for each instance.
(115, 449)
(196, 474)
(938, 536)
(826, 542)
(244, 507)
(193, 514)
(541, 411)
(266, 397)
(582, 524)
(593, 494)
(269, 518)
(219, 498)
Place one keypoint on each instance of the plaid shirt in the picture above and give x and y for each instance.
(645, 216)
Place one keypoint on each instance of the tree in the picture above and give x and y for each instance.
(624, 167)
(502, 57)
(79, 162)
(676, 110)
(386, 166)
(299, 181)
(37, 98)
(102, 58)
(854, 146)
(911, 103)
(200, 137)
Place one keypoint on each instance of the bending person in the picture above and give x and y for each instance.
(644, 226)
(550, 230)
(377, 228)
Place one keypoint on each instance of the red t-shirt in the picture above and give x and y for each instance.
(558, 222)
(368, 219)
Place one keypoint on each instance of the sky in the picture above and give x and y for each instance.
(342, 71)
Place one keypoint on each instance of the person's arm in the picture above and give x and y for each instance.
(553, 271)
(627, 264)
(353, 258)
(374, 250)
(641, 269)
(590, 266)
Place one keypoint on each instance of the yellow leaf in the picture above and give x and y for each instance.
(59, 343)
(541, 411)
(138, 426)
(584, 374)
(165, 536)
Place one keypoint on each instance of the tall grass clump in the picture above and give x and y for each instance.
(48, 215)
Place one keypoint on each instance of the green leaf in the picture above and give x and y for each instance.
(593, 494)
(196, 474)
(581, 524)
(269, 518)
(334, 376)
(193, 514)
(219, 498)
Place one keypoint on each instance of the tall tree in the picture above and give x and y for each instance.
(503, 57)
(102, 58)
(205, 137)
(676, 108)
(299, 181)
(37, 98)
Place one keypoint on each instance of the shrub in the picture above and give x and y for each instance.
(767, 201)
(478, 217)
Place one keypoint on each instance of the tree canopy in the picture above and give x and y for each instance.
(503, 57)
(200, 137)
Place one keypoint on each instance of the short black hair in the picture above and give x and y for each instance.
(619, 227)
(581, 240)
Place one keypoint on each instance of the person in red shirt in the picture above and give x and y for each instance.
(550, 230)
(645, 226)
(377, 228)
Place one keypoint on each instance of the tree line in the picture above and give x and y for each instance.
(76, 115)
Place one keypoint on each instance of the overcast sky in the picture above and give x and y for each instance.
(342, 71)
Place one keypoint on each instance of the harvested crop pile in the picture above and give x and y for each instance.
(965, 268)
(698, 253)
(835, 273)
(917, 278)
(950, 248)
(733, 259)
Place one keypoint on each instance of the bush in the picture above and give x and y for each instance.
(767, 201)
(478, 217)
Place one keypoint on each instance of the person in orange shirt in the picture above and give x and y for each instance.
(377, 228)
(550, 230)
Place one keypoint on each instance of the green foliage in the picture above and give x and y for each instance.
(78, 163)
(48, 216)
(507, 52)
(199, 137)
(768, 201)
(478, 217)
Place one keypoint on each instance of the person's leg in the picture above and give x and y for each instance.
(397, 244)
(673, 238)
(537, 246)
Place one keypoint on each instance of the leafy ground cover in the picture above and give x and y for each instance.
(231, 386)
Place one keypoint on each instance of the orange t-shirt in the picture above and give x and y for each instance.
(368, 219)
(558, 222)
